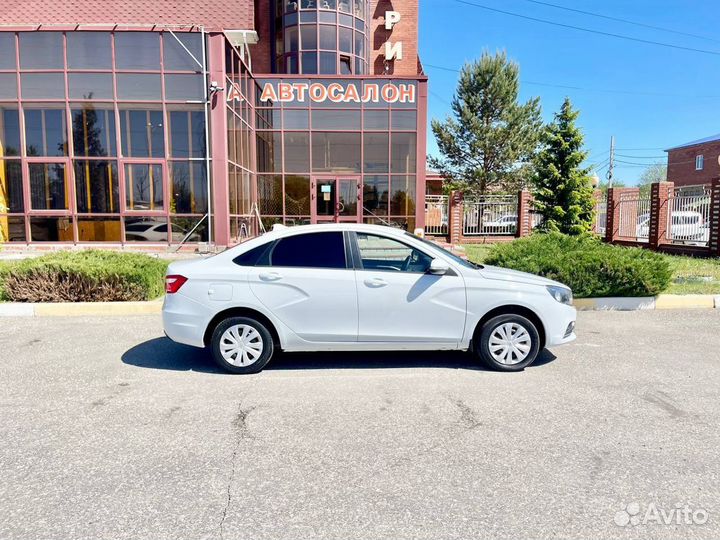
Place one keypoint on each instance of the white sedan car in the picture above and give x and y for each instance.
(348, 287)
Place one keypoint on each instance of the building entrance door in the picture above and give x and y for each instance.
(336, 199)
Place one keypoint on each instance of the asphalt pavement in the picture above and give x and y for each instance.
(110, 431)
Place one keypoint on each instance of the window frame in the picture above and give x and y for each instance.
(699, 162)
(357, 256)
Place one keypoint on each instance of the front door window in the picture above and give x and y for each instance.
(336, 200)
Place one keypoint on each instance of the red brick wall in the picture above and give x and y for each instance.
(433, 183)
(406, 31)
(261, 53)
(681, 164)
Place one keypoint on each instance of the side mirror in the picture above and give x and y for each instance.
(438, 267)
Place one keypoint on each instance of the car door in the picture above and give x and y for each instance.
(307, 283)
(398, 300)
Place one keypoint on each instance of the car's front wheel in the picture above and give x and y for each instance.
(508, 343)
(241, 345)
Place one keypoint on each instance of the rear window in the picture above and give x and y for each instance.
(257, 256)
(314, 250)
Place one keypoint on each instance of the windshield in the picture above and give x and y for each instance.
(460, 261)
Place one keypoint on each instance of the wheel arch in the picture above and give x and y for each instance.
(241, 312)
(512, 309)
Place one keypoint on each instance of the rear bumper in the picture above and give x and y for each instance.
(184, 321)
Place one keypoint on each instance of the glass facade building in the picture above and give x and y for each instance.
(163, 134)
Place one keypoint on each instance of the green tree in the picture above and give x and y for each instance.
(657, 172)
(489, 140)
(604, 185)
(563, 191)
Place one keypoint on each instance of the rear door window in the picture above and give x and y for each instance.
(257, 256)
(312, 250)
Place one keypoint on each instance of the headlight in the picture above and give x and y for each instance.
(561, 294)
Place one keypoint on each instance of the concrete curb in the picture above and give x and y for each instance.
(154, 307)
(80, 309)
(661, 301)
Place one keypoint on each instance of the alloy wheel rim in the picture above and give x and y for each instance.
(510, 343)
(241, 345)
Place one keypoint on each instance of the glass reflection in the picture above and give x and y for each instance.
(45, 133)
(93, 132)
(143, 186)
(48, 186)
(89, 50)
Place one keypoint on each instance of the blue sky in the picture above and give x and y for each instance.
(678, 91)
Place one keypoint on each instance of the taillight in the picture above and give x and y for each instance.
(173, 283)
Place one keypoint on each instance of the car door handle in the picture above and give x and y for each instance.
(375, 282)
(270, 276)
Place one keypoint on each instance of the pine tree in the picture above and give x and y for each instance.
(563, 191)
(490, 139)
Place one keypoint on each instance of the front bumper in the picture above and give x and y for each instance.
(561, 328)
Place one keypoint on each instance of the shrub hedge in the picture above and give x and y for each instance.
(84, 276)
(585, 264)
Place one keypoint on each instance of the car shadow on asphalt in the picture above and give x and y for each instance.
(162, 353)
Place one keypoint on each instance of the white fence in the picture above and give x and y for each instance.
(689, 216)
(536, 219)
(601, 216)
(491, 215)
(634, 218)
(436, 214)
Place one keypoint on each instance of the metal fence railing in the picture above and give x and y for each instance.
(634, 218)
(689, 216)
(601, 216)
(436, 214)
(536, 219)
(490, 215)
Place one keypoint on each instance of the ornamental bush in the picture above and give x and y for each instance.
(588, 266)
(85, 276)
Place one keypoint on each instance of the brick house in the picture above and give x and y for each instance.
(695, 162)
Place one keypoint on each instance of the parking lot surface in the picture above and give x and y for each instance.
(109, 430)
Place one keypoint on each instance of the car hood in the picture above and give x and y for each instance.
(505, 274)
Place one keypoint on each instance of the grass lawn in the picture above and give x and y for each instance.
(477, 252)
(689, 273)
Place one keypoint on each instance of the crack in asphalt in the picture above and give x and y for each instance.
(662, 400)
(468, 421)
(468, 417)
(241, 431)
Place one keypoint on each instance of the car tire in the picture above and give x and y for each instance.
(241, 345)
(491, 344)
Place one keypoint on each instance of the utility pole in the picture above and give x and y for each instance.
(611, 168)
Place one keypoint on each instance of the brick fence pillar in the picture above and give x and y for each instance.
(715, 217)
(660, 194)
(524, 225)
(455, 217)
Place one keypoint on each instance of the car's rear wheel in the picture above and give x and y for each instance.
(508, 343)
(241, 345)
